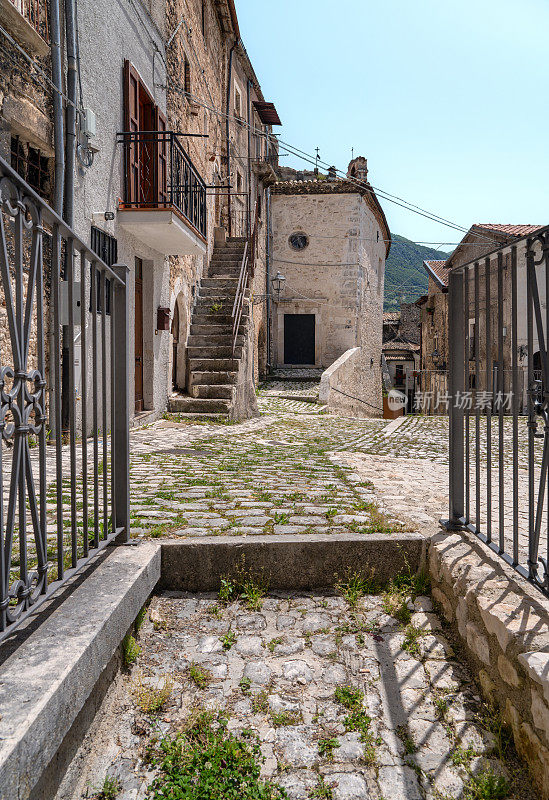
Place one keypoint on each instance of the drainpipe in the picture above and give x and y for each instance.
(70, 163)
(249, 114)
(59, 150)
(70, 151)
(228, 131)
(268, 274)
(58, 136)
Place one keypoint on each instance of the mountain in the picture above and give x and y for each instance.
(404, 271)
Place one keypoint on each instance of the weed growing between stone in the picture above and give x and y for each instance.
(321, 791)
(206, 762)
(130, 650)
(354, 586)
(487, 786)
(249, 589)
(200, 676)
(151, 699)
(108, 790)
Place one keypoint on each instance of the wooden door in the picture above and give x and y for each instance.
(138, 335)
(175, 342)
(299, 339)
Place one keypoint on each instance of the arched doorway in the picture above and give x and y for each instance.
(179, 341)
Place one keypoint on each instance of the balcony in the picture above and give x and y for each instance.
(164, 203)
(27, 22)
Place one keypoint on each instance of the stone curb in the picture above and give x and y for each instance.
(503, 622)
(299, 561)
(46, 682)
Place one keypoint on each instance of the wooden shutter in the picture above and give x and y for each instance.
(161, 159)
(131, 125)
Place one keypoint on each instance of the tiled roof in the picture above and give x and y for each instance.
(391, 316)
(400, 344)
(438, 270)
(512, 230)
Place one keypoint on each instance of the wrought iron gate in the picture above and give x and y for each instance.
(64, 497)
(499, 403)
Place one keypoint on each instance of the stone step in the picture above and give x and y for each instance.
(214, 351)
(197, 405)
(213, 340)
(224, 270)
(213, 378)
(211, 328)
(208, 292)
(200, 318)
(209, 364)
(212, 391)
(220, 282)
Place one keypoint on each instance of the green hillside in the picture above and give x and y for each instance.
(404, 271)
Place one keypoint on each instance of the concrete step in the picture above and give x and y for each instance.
(199, 416)
(212, 391)
(201, 405)
(213, 340)
(209, 364)
(213, 378)
(214, 351)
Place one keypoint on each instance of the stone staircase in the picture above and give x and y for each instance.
(212, 367)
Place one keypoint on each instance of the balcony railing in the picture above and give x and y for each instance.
(36, 14)
(159, 174)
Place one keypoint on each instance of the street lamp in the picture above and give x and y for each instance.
(278, 284)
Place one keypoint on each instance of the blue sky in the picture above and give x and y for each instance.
(447, 100)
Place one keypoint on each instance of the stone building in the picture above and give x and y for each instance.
(478, 242)
(401, 349)
(330, 239)
(173, 151)
(215, 97)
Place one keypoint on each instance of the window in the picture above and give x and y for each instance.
(106, 248)
(239, 182)
(187, 77)
(32, 165)
(298, 241)
(237, 103)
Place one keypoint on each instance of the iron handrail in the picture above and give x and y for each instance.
(48, 253)
(246, 272)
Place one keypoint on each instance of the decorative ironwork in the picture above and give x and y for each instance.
(163, 176)
(39, 551)
(510, 376)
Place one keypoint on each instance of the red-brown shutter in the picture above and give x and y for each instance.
(131, 125)
(161, 159)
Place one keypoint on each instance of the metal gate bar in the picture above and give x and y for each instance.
(504, 382)
(47, 272)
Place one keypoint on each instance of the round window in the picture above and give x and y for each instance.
(299, 241)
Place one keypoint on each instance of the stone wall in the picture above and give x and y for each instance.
(503, 623)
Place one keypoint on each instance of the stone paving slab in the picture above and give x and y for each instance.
(286, 671)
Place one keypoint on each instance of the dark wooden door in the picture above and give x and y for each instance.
(138, 335)
(299, 339)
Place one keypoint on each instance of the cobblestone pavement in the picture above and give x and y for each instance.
(347, 702)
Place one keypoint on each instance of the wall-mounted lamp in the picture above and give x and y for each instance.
(278, 284)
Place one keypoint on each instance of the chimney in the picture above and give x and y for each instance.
(332, 173)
